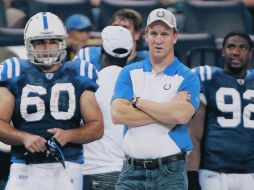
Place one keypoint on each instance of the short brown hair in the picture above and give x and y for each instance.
(131, 15)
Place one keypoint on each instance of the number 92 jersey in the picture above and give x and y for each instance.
(47, 100)
(228, 139)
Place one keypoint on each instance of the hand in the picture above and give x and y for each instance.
(34, 143)
(182, 96)
(193, 180)
(54, 151)
(60, 135)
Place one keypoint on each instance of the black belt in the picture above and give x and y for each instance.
(152, 164)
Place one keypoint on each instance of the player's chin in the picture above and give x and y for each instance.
(236, 64)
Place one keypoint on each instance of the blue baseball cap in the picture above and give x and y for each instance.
(78, 22)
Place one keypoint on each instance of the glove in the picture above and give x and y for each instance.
(193, 180)
(54, 151)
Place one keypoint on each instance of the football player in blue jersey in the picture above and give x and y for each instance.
(129, 19)
(223, 129)
(46, 98)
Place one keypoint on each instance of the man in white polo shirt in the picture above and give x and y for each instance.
(155, 99)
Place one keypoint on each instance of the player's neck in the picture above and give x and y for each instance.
(237, 73)
(160, 63)
(52, 68)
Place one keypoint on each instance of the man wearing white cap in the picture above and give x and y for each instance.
(155, 99)
(104, 158)
(127, 18)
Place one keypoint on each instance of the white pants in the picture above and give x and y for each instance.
(49, 176)
(210, 180)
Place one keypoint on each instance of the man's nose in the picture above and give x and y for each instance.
(236, 51)
(158, 39)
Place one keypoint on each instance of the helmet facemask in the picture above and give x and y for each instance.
(46, 57)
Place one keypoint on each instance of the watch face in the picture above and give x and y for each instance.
(134, 101)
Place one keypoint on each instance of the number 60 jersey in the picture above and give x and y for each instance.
(47, 100)
(228, 140)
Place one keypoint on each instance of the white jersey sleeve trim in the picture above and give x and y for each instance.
(9, 68)
(203, 98)
(17, 67)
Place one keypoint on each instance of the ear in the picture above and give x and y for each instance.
(251, 53)
(137, 35)
(223, 52)
(145, 36)
(175, 38)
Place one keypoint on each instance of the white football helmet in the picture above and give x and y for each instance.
(45, 25)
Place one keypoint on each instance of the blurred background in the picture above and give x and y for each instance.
(202, 25)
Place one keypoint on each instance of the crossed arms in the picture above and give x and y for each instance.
(177, 111)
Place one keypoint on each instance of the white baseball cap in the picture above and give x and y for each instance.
(117, 41)
(163, 15)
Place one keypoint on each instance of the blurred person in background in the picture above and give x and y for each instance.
(15, 11)
(176, 5)
(78, 28)
(132, 20)
(127, 18)
(96, 13)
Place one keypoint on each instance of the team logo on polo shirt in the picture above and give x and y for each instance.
(167, 86)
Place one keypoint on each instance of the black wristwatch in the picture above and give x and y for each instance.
(134, 101)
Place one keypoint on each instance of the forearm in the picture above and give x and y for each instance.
(194, 158)
(126, 114)
(196, 132)
(11, 136)
(133, 118)
(88, 132)
(167, 112)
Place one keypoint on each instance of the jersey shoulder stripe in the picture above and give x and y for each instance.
(250, 74)
(87, 69)
(204, 72)
(84, 54)
(10, 68)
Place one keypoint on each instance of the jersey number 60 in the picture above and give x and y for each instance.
(54, 101)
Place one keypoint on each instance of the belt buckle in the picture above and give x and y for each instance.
(147, 162)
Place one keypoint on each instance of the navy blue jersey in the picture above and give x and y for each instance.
(93, 55)
(228, 144)
(47, 100)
